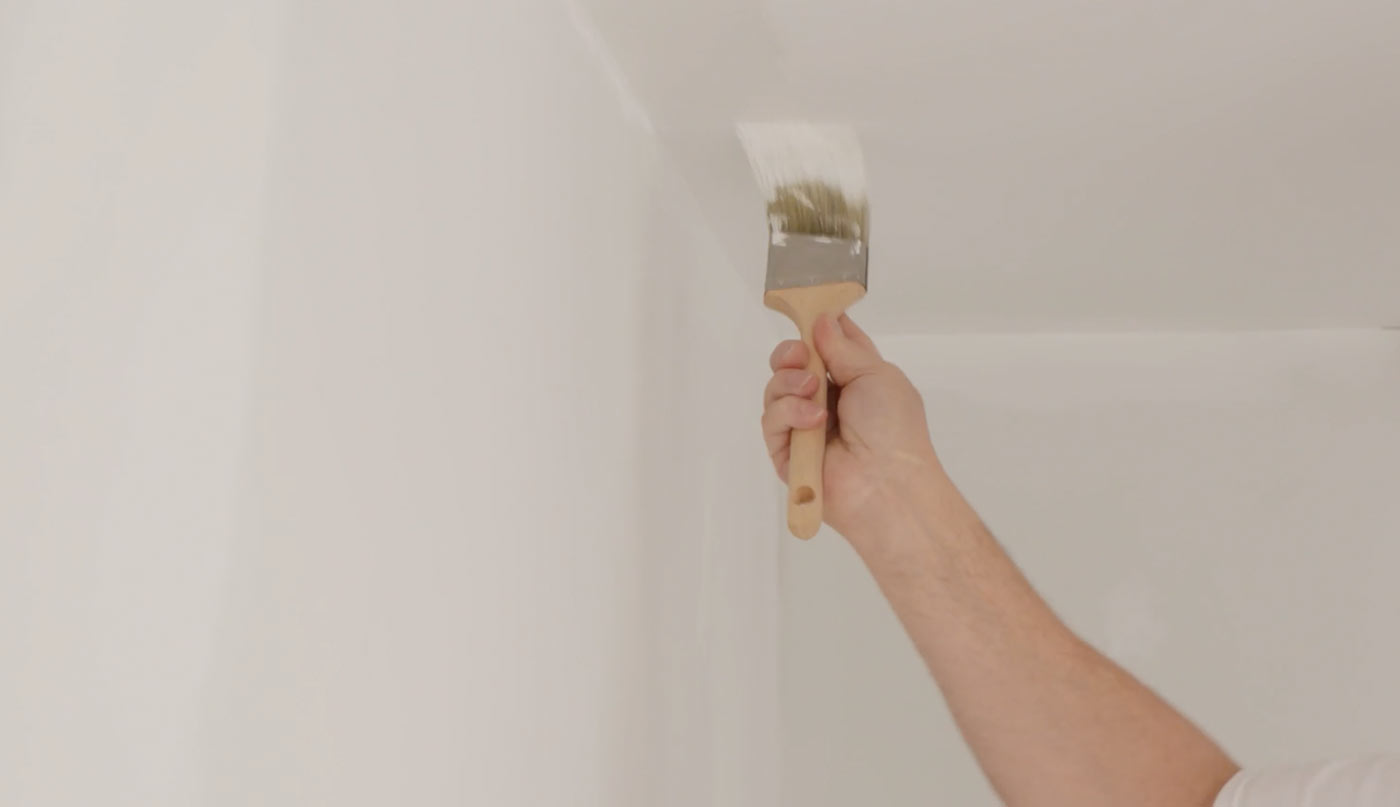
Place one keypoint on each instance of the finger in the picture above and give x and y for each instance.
(846, 358)
(855, 334)
(786, 414)
(781, 455)
(788, 355)
(791, 412)
(790, 382)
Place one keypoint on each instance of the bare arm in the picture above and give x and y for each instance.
(1052, 721)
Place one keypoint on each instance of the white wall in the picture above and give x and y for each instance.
(1217, 512)
(133, 144)
(361, 435)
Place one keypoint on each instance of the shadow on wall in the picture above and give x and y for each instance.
(711, 513)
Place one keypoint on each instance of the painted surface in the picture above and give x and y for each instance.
(1061, 165)
(133, 149)
(361, 437)
(1216, 512)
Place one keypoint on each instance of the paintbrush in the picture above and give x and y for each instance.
(818, 227)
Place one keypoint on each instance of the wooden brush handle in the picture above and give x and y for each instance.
(803, 305)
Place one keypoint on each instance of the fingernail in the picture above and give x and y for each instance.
(808, 384)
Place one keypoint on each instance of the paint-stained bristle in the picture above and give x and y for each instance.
(813, 176)
(816, 208)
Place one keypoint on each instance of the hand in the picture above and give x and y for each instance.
(878, 440)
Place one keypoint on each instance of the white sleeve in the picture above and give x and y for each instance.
(1361, 782)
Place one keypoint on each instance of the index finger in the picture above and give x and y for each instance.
(788, 355)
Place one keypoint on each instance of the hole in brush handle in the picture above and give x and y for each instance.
(804, 515)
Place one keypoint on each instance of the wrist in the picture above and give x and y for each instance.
(919, 509)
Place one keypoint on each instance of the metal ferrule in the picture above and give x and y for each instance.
(813, 260)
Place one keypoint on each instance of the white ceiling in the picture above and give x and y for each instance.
(1061, 164)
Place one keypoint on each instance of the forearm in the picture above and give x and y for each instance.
(1051, 721)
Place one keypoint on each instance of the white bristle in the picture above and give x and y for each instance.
(787, 153)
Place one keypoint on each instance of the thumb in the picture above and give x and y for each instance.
(846, 359)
